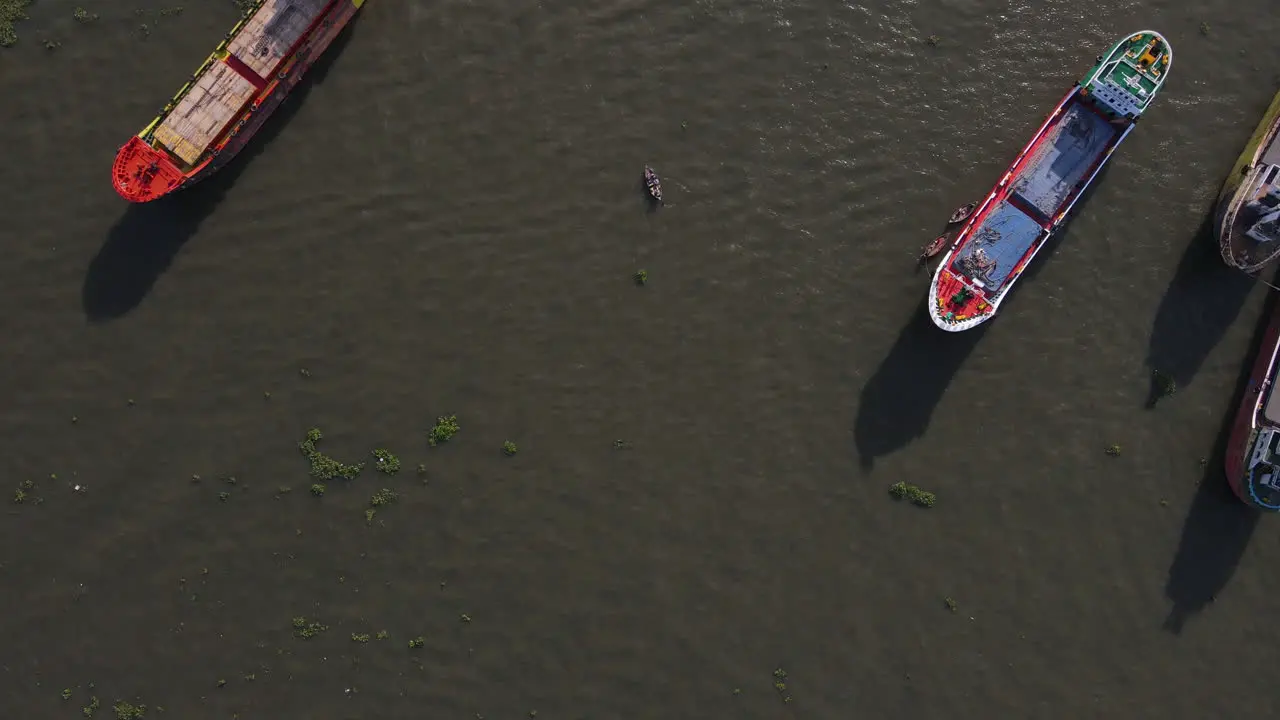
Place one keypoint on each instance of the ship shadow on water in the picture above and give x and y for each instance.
(897, 402)
(1203, 299)
(144, 241)
(1218, 525)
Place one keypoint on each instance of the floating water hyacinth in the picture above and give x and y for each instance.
(907, 491)
(445, 428)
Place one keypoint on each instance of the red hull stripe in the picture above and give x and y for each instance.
(244, 71)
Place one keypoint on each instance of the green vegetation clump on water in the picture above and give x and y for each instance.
(307, 629)
(780, 684)
(907, 491)
(324, 467)
(20, 495)
(11, 12)
(383, 497)
(445, 428)
(386, 462)
(129, 711)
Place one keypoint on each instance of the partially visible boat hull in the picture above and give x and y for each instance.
(1251, 179)
(1251, 425)
(142, 173)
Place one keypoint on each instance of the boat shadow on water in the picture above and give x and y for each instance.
(1203, 299)
(147, 237)
(897, 402)
(1218, 526)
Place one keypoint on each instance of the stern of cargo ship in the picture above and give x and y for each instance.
(1130, 75)
(1258, 482)
(142, 173)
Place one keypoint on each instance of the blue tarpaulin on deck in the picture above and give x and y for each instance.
(1063, 158)
(999, 243)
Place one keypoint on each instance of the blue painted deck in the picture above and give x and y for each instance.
(998, 244)
(1062, 159)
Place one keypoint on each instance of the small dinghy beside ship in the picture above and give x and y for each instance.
(1039, 189)
(223, 104)
(1247, 220)
(933, 248)
(962, 213)
(940, 242)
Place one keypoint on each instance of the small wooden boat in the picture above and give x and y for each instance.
(961, 213)
(933, 248)
(652, 184)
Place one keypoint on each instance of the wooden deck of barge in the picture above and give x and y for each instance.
(246, 65)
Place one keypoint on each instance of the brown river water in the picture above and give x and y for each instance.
(446, 220)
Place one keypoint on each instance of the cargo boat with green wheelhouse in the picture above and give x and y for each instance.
(1035, 195)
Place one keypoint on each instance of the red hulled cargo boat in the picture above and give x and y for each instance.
(1253, 449)
(1035, 195)
(227, 100)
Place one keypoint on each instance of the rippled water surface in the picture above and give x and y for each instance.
(446, 220)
